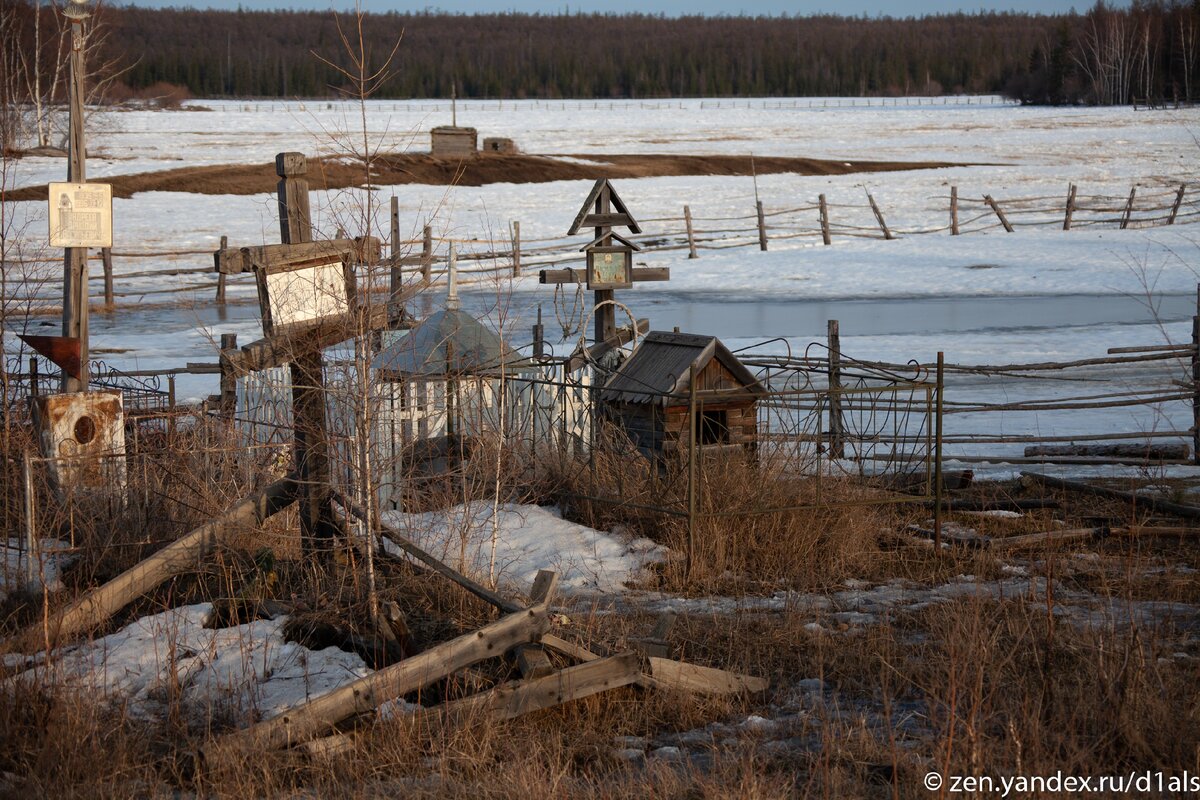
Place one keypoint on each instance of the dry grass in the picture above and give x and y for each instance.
(973, 685)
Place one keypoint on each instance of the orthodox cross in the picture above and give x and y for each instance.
(609, 256)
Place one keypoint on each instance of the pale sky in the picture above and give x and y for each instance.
(895, 8)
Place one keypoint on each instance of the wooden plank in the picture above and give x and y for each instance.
(319, 716)
(531, 659)
(181, 556)
(606, 220)
(515, 699)
(271, 257)
(1009, 544)
(571, 275)
(663, 673)
(568, 648)
(280, 350)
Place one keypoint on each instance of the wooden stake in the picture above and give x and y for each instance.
(1178, 202)
(687, 218)
(1070, 208)
(954, 211)
(396, 274)
(762, 227)
(531, 659)
(221, 276)
(837, 444)
(106, 257)
(1128, 209)
(824, 220)
(987, 198)
(887, 234)
(229, 376)
(427, 255)
(516, 248)
(30, 521)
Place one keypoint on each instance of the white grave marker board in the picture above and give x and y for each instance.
(308, 294)
(80, 215)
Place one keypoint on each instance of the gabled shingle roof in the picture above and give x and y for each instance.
(660, 366)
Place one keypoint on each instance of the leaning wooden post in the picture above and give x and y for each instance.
(1128, 209)
(427, 255)
(1178, 202)
(824, 220)
(228, 402)
(516, 248)
(1070, 208)
(937, 455)
(687, 218)
(954, 211)
(887, 234)
(30, 520)
(318, 526)
(987, 198)
(106, 256)
(221, 276)
(693, 425)
(762, 227)
(837, 444)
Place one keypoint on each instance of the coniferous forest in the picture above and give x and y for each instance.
(1106, 55)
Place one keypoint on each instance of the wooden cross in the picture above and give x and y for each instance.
(298, 339)
(598, 212)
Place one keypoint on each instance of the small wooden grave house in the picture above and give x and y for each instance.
(450, 141)
(500, 144)
(649, 394)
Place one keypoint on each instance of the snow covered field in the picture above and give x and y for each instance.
(988, 297)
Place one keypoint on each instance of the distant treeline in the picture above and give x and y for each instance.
(1105, 55)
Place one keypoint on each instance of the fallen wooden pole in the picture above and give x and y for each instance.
(1008, 544)
(523, 697)
(1153, 503)
(319, 716)
(1144, 452)
(664, 673)
(176, 558)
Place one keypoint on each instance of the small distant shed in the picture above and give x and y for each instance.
(648, 395)
(500, 144)
(447, 141)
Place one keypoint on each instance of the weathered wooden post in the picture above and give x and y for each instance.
(396, 273)
(987, 198)
(1070, 212)
(937, 455)
(693, 472)
(824, 220)
(228, 402)
(34, 378)
(317, 523)
(687, 219)
(954, 211)
(1196, 380)
(1178, 202)
(30, 520)
(1128, 208)
(221, 276)
(539, 336)
(837, 443)
(75, 267)
(516, 248)
(106, 258)
(762, 226)
(887, 234)
(427, 255)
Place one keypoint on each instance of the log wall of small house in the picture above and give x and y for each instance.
(732, 416)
